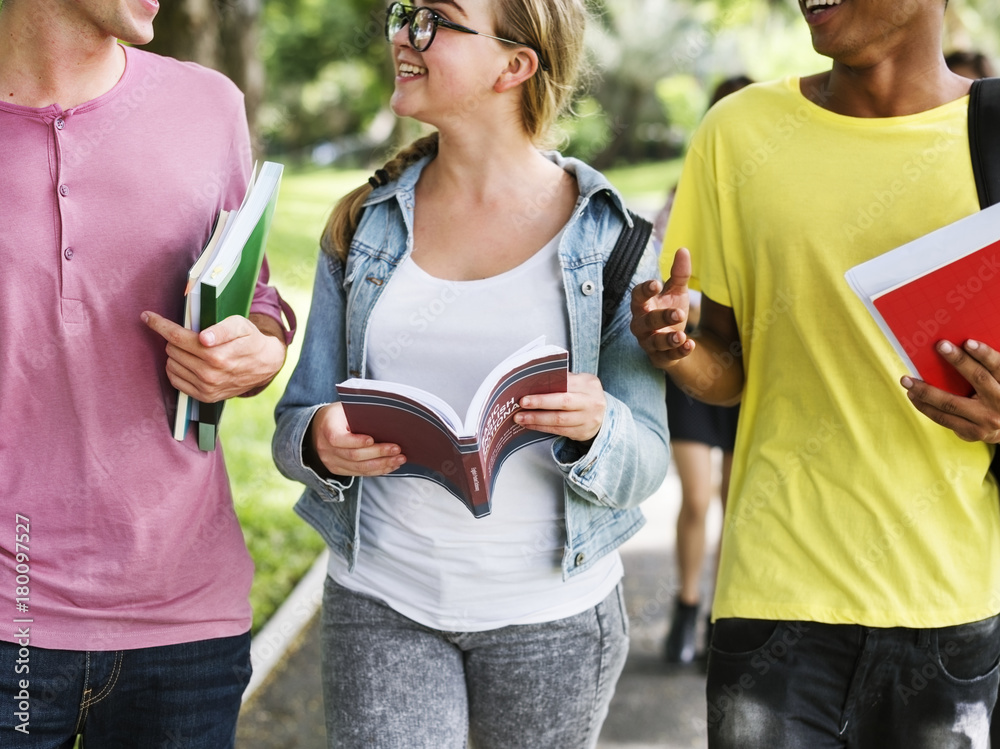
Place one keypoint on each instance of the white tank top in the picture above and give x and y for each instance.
(422, 551)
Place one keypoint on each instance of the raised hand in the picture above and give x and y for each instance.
(660, 314)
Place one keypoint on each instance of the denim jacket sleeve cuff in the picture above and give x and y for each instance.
(287, 450)
(585, 469)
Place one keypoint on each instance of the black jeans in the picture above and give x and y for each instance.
(186, 695)
(805, 685)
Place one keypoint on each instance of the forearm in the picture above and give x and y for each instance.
(712, 372)
(268, 326)
(276, 348)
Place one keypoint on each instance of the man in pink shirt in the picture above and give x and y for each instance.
(124, 569)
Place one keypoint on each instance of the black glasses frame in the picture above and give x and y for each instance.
(405, 15)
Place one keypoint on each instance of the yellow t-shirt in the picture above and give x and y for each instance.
(847, 505)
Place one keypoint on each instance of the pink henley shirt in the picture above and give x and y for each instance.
(132, 540)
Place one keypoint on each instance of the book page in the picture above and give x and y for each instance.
(461, 456)
(240, 227)
(499, 435)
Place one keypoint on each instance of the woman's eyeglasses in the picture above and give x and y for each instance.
(424, 23)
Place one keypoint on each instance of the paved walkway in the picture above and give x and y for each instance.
(655, 706)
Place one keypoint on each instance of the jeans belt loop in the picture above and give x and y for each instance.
(924, 637)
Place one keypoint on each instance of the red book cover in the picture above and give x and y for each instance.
(944, 285)
(462, 455)
(956, 302)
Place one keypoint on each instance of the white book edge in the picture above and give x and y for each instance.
(873, 278)
(238, 230)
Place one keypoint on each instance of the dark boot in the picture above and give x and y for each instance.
(681, 644)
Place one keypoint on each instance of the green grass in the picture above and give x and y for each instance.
(283, 546)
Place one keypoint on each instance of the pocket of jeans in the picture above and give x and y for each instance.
(967, 652)
(741, 638)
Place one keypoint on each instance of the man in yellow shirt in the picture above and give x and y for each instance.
(859, 582)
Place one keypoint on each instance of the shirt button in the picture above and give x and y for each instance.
(60, 123)
(68, 252)
(588, 288)
(64, 190)
(578, 559)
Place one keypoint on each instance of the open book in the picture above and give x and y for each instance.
(942, 286)
(462, 455)
(221, 283)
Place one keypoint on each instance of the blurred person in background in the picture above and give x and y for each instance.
(695, 429)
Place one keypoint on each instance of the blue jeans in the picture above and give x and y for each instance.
(778, 685)
(390, 683)
(183, 696)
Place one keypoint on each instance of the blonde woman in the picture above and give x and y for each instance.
(439, 627)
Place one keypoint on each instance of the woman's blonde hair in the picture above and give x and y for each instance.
(555, 30)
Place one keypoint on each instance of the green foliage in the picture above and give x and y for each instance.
(327, 67)
(330, 75)
(974, 25)
(645, 184)
(587, 131)
(684, 102)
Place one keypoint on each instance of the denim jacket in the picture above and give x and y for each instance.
(604, 482)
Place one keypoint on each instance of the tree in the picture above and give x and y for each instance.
(635, 44)
(329, 70)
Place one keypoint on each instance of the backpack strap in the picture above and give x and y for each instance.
(984, 138)
(621, 265)
(984, 147)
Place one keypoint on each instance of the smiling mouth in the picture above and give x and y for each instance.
(818, 6)
(406, 70)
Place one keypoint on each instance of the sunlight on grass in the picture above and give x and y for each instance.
(283, 546)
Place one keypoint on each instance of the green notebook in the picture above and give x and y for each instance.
(228, 279)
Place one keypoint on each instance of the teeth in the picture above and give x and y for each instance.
(406, 69)
(818, 5)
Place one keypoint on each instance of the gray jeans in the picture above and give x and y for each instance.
(391, 683)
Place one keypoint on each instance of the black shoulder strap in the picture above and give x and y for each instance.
(984, 138)
(984, 146)
(621, 265)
